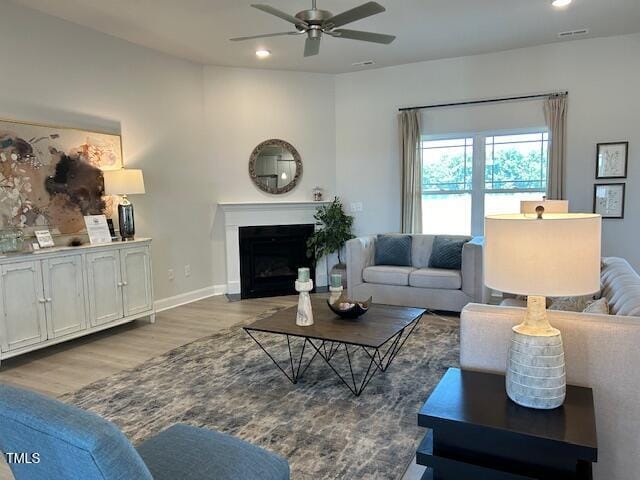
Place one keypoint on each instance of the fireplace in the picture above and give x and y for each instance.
(269, 259)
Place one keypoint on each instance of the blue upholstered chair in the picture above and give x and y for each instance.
(75, 444)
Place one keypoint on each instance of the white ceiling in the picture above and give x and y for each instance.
(199, 30)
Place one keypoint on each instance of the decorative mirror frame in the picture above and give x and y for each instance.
(277, 143)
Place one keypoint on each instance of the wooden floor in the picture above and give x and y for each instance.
(69, 366)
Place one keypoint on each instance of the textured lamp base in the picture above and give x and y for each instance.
(535, 368)
(535, 371)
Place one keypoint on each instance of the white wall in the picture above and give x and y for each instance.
(60, 73)
(601, 75)
(244, 107)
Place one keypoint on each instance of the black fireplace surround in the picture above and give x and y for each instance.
(270, 257)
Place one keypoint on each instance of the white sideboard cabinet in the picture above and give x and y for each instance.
(55, 295)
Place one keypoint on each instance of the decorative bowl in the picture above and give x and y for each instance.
(346, 308)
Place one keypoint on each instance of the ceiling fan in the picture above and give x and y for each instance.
(315, 22)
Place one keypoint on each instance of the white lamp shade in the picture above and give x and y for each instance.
(123, 182)
(550, 206)
(558, 255)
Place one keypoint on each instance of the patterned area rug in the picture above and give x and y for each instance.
(227, 383)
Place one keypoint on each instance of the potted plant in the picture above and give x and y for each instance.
(333, 232)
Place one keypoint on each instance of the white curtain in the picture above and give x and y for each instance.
(411, 165)
(555, 113)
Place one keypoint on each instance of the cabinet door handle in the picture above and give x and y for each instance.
(42, 300)
(120, 284)
(125, 283)
(49, 300)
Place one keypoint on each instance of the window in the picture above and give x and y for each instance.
(466, 178)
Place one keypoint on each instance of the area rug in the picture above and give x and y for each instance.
(227, 383)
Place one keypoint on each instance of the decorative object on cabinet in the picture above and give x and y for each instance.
(112, 229)
(125, 182)
(52, 176)
(62, 294)
(563, 255)
(97, 229)
(275, 166)
(44, 238)
(608, 200)
(612, 160)
(10, 240)
(317, 194)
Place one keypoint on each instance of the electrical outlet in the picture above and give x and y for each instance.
(170, 275)
(187, 270)
(356, 207)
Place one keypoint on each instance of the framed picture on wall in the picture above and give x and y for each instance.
(51, 176)
(608, 200)
(612, 160)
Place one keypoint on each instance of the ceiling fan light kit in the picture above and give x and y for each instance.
(315, 22)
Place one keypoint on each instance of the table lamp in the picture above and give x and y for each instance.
(124, 182)
(555, 254)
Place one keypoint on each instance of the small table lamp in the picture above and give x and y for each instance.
(539, 256)
(124, 182)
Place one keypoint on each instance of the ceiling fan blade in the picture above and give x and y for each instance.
(266, 35)
(311, 47)
(363, 36)
(363, 11)
(279, 13)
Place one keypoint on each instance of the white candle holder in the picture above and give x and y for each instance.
(304, 317)
(335, 293)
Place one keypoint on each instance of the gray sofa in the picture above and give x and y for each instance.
(417, 285)
(601, 352)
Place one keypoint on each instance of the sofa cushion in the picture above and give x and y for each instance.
(189, 453)
(447, 253)
(421, 250)
(600, 306)
(393, 250)
(436, 278)
(387, 275)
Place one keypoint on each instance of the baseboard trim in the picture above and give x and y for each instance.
(189, 297)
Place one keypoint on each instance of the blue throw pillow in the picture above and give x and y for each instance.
(393, 250)
(447, 253)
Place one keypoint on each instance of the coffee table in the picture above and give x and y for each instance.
(380, 333)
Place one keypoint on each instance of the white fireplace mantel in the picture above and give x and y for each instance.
(248, 214)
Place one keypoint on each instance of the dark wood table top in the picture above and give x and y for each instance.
(480, 400)
(373, 329)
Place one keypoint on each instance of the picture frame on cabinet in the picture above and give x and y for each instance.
(612, 160)
(608, 200)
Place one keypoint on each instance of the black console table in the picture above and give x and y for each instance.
(476, 432)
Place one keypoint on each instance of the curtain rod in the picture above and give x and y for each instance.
(492, 100)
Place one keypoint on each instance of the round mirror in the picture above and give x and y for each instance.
(275, 166)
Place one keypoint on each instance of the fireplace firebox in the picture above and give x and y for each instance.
(270, 257)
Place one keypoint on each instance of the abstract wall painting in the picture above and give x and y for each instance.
(612, 160)
(608, 200)
(52, 176)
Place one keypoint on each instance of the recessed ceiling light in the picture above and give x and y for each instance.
(263, 53)
(561, 3)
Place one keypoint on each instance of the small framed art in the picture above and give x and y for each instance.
(612, 160)
(608, 200)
